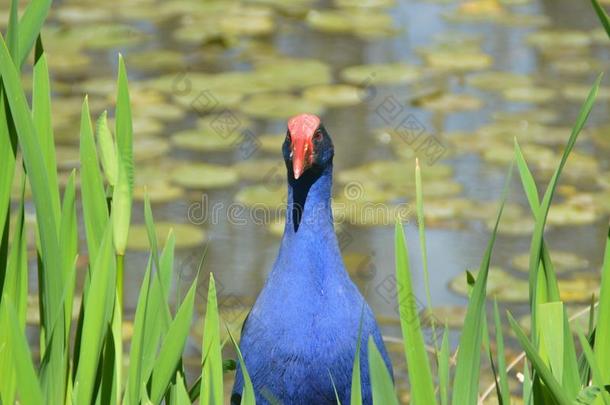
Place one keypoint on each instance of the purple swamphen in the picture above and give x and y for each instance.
(304, 325)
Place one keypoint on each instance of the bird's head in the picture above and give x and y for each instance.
(307, 146)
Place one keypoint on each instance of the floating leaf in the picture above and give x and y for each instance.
(204, 175)
(187, 235)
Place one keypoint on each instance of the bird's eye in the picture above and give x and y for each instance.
(317, 135)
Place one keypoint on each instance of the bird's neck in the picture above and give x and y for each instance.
(309, 203)
(309, 250)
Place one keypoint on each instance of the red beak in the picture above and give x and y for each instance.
(302, 128)
(301, 156)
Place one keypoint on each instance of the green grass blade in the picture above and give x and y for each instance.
(107, 149)
(8, 148)
(332, 381)
(602, 333)
(422, 386)
(12, 34)
(356, 387)
(34, 163)
(122, 196)
(422, 244)
(536, 243)
(170, 353)
(502, 374)
(41, 113)
(381, 381)
(543, 287)
(443, 368)
(247, 395)
(140, 336)
(603, 16)
(30, 25)
(98, 310)
(182, 395)
(15, 290)
(559, 395)
(93, 197)
(15, 286)
(528, 397)
(68, 234)
(551, 322)
(158, 296)
(211, 391)
(466, 379)
(50, 287)
(596, 373)
(28, 389)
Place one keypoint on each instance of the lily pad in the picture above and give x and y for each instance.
(503, 153)
(248, 22)
(361, 22)
(365, 3)
(513, 227)
(578, 92)
(388, 173)
(578, 289)
(457, 60)
(204, 176)
(112, 36)
(548, 40)
(225, 124)
(158, 192)
(582, 166)
(562, 261)
(369, 213)
(205, 101)
(197, 140)
(278, 106)
(271, 143)
(286, 74)
(566, 214)
(335, 95)
(156, 59)
(452, 102)
(380, 73)
(68, 64)
(262, 196)
(259, 169)
(488, 210)
(451, 315)
(500, 284)
(161, 111)
(537, 115)
(529, 94)
(153, 172)
(498, 80)
(440, 211)
(149, 148)
(576, 66)
(187, 235)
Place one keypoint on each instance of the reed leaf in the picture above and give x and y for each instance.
(422, 386)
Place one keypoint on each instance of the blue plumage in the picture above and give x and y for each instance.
(304, 324)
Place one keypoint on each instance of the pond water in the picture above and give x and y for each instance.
(453, 83)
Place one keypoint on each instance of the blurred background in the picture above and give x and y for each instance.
(453, 83)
